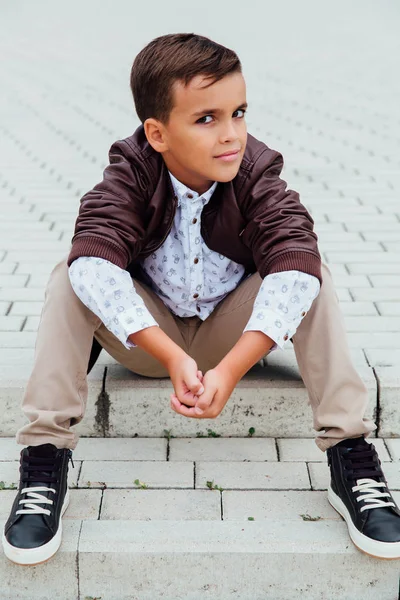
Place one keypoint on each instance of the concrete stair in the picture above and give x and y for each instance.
(271, 398)
(191, 518)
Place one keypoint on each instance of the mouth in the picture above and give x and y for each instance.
(229, 156)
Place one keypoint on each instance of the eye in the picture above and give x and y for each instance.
(201, 120)
(240, 110)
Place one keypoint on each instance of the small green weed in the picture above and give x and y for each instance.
(212, 486)
(308, 518)
(3, 486)
(140, 484)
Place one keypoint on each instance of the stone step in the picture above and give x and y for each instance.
(224, 560)
(179, 539)
(271, 399)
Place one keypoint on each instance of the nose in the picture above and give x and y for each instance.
(228, 132)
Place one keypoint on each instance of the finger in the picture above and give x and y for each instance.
(195, 385)
(182, 409)
(205, 399)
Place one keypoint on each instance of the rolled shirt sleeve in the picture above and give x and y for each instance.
(282, 302)
(109, 292)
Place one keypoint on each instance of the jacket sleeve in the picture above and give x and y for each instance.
(110, 223)
(279, 231)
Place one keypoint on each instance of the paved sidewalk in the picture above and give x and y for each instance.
(323, 90)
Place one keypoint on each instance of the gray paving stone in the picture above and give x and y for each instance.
(276, 505)
(4, 307)
(374, 268)
(383, 281)
(320, 475)
(10, 281)
(382, 357)
(24, 294)
(31, 324)
(376, 235)
(16, 356)
(359, 309)
(223, 449)
(372, 324)
(373, 339)
(38, 281)
(388, 225)
(11, 323)
(389, 309)
(26, 308)
(120, 449)
(389, 294)
(17, 339)
(6, 268)
(35, 268)
(166, 504)
(353, 281)
(343, 295)
(155, 474)
(253, 475)
(363, 257)
(331, 249)
(394, 448)
(305, 450)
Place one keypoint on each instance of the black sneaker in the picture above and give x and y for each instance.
(33, 531)
(358, 492)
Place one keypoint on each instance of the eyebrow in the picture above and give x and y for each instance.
(216, 110)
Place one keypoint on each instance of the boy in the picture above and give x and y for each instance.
(192, 260)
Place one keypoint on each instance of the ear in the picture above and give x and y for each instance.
(155, 134)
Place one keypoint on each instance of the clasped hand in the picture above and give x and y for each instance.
(197, 395)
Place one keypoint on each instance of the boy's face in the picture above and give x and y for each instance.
(204, 123)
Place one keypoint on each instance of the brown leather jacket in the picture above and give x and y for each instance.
(253, 219)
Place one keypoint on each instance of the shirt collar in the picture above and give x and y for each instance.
(181, 190)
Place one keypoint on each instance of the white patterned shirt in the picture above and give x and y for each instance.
(191, 280)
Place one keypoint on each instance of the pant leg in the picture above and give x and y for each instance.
(66, 347)
(338, 396)
(56, 392)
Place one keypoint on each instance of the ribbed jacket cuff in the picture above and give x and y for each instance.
(99, 247)
(296, 261)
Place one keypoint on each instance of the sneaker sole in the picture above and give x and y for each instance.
(36, 556)
(374, 548)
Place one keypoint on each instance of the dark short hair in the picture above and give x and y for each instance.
(175, 57)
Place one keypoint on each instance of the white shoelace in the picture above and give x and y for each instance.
(32, 504)
(369, 494)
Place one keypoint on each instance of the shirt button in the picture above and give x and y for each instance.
(303, 313)
(196, 260)
(190, 196)
(195, 295)
(198, 308)
(194, 220)
(285, 337)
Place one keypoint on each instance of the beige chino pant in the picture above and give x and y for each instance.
(56, 393)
